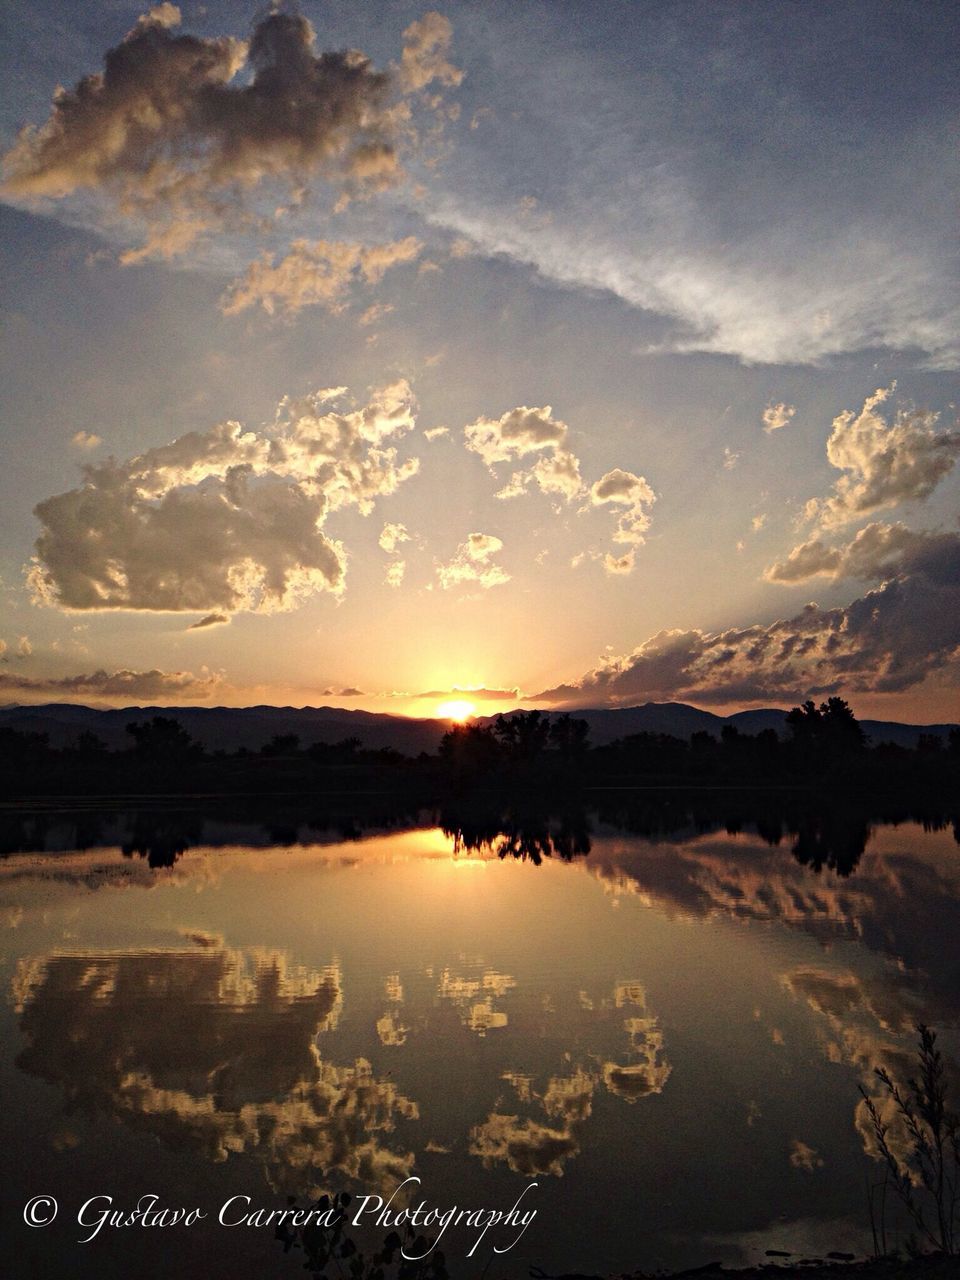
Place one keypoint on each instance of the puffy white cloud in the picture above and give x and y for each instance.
(886, 641)
(884, 463)
(879, 551)
(525, 431)
(226, 519)
(777, 415)
(318, 272)
(473, 564)
(175, 135)
(392, 535)
(129, 685)
(633, 494)
(516, 434)
(395, 573)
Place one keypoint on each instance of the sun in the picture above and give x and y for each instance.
(458, 709)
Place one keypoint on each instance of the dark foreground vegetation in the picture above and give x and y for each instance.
(825, 747)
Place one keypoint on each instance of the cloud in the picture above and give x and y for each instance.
(525, 431)
(776, 416)
(375, 313)
(225, 519)
(392, 535)
(519, 432)
(131, 685)
(395, 572)
(730, 458)
(885, 463)
(476, 695)
(315, 273)
(24, 647)
(886, 641)
(436, 433)
(878, 552)
(794, 292)
(182, 131)
(85, 440)
(631, 492)
(209, 620)
(473, 563)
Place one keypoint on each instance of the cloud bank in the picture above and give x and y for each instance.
(886, 641)
(131, 685)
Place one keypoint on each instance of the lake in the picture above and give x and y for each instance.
(649, 1031)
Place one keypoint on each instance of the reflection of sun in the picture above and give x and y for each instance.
(458, 709)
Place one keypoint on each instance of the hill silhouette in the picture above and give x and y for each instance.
(230, 728)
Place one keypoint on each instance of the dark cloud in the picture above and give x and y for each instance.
(886, 641)
(879, 551)
(130, 685)
(176, 134)
(211, 620)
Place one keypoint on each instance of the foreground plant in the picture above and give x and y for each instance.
(926, 1178)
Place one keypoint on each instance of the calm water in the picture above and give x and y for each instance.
(664, 1034)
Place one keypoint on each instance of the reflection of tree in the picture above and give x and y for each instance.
(161, 837)
(213, 1051)
(527, 833)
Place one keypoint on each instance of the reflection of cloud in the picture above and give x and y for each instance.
(804, 1157)
(213, 1051)
(391, 1030)
(475, 996)
(224, 519)
(525, 1147)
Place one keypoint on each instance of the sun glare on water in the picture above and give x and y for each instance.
(458, 709)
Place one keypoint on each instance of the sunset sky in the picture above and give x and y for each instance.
(564, 353)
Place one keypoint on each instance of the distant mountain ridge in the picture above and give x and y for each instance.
(228, 728)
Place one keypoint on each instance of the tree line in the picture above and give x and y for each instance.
(823, 744)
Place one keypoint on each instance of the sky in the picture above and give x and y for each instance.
(541, 354)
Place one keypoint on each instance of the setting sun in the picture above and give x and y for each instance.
(458, 709)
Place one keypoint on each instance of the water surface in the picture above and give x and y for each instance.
(665, 1033)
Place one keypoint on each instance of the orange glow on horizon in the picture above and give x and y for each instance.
(458, 709)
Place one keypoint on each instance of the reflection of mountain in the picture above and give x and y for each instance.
(212, 1050)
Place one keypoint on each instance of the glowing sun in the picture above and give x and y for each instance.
(458, 709)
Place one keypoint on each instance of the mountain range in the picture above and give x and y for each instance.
(229, 728)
